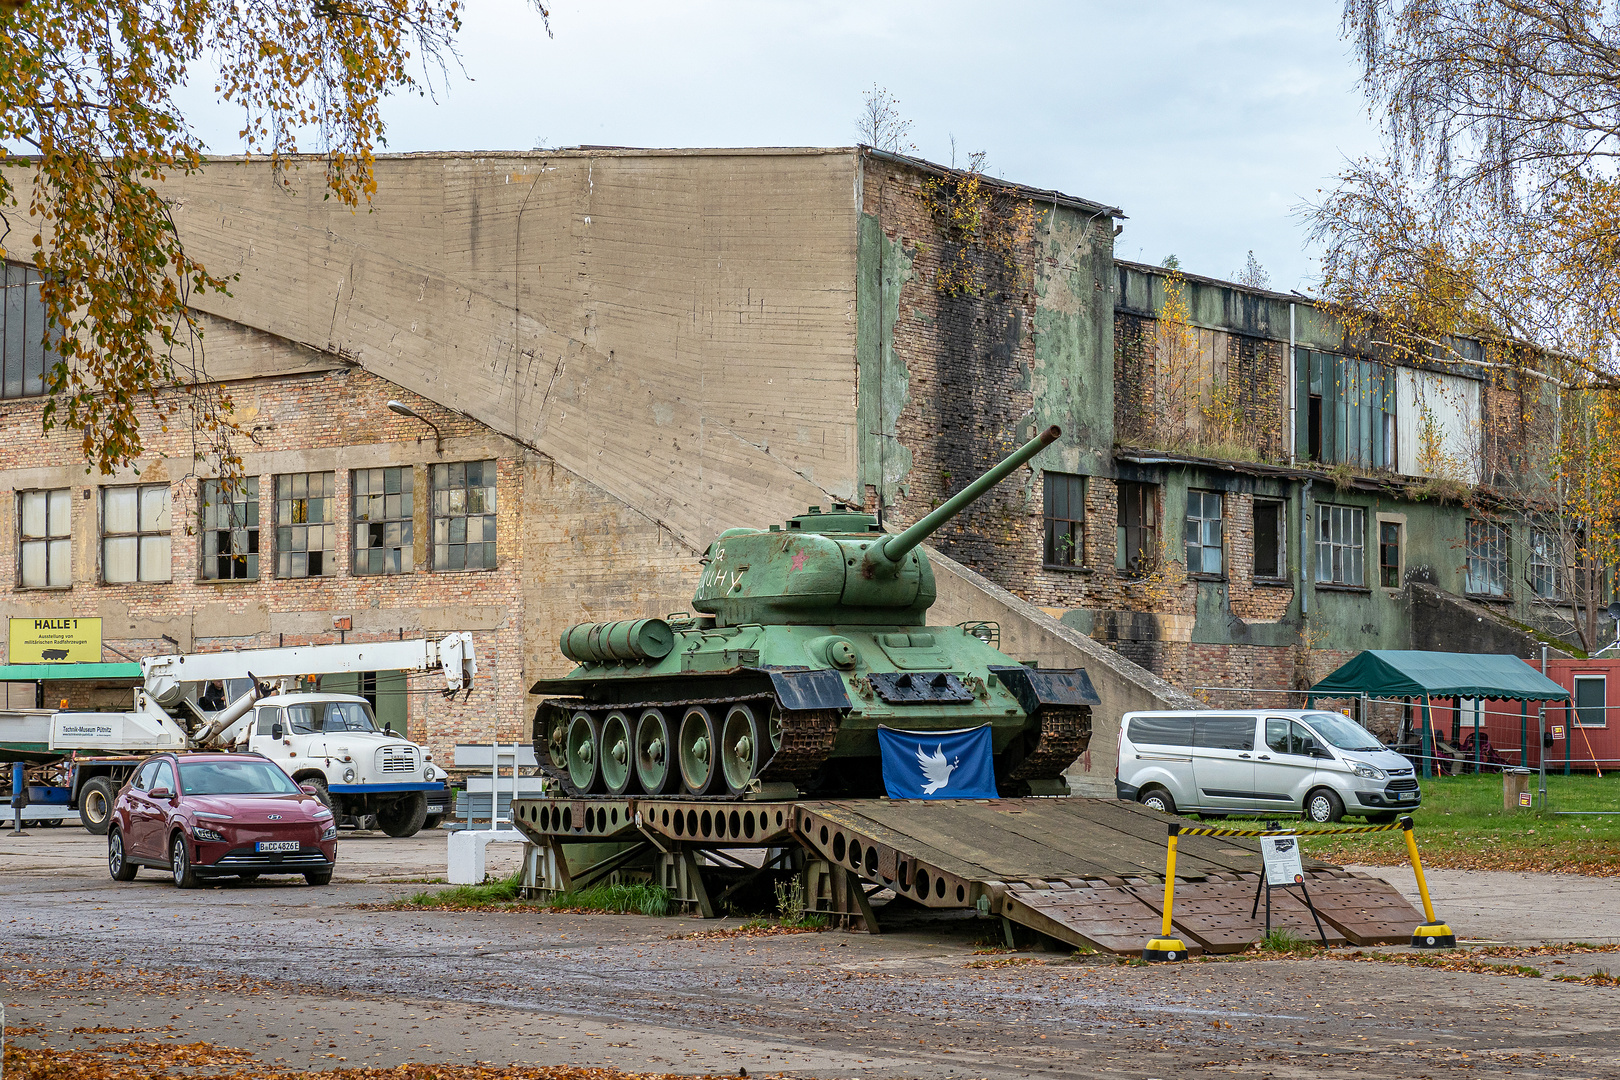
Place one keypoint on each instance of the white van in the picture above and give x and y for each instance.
(1287, 761)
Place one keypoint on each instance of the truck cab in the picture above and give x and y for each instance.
(332, 742)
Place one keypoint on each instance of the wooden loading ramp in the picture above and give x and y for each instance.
(1088, 872)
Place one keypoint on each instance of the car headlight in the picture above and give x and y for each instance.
(201, 833)
(429, 773)
(1369, 772)
(330, 833)
(348, 776)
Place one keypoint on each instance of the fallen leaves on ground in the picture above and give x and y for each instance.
(1446, 961)
(142, 1061)
(1549, 859)
(1597, 978)
(512, 906)
(731, 932)
(1005, 961)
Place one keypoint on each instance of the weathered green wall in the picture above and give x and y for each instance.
(1074, 337)
(882, 267)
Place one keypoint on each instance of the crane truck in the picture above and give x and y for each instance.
(260, 700)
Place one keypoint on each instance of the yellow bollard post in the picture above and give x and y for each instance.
(1433, 934)
(1164, 947)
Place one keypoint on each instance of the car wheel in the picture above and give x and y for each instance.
(319, 877)
(1323, 807)
(118, 865)
(404, 817)
(318, 782)
(185, 877)
(1156, 798)
(95, 805)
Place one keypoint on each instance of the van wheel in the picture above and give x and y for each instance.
(1323, 807)
(1156, 798)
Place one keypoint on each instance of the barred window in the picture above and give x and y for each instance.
(45, 549)
(1546, 565)
(1341, 545)
(230, 523)
(1204, 532)
(306, 537)
(383, 534)
(25, 347)
(464, 516)
(135, 529)
(1065, 514)
(1487, 568)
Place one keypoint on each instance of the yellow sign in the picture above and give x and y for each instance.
(55, 641)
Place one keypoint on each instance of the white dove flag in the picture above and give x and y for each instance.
(938, 764)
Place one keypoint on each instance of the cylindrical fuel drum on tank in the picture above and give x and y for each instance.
(626, 639)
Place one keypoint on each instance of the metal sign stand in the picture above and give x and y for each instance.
(1266, 887)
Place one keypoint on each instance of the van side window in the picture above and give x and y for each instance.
(1302, 738)
(269, 715)
(1288, 736)
(1225, 732)
(1277, 734)
(1162, 730)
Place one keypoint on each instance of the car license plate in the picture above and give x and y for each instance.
(276, 845)
(1407, 795)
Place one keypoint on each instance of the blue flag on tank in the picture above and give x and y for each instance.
(938, 764)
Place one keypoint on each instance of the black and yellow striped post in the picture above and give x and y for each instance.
(1165, 947)
(1433, 934)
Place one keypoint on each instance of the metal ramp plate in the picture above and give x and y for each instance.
(1367, 910)
(1108, 918)
(1216, 913)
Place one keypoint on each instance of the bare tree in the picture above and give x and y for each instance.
(1253, 274)
(880, 124)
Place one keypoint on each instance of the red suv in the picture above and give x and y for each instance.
(219, 815)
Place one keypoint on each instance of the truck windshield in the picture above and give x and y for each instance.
(1343, 732)
(235, 778)
(327, 717)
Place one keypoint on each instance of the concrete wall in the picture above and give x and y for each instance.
(1030, 634)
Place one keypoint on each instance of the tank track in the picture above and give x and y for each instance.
(1065, 734)
(807, 736)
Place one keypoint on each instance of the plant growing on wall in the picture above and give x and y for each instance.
(93, 95)
(986, 232)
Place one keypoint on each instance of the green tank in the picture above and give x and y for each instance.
(807, 637)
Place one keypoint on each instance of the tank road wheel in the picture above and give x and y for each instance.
(653, 744)
(618, 767)
(584, 753)
(775, 724)
(556, 735)
(739, 748)
(698, 757)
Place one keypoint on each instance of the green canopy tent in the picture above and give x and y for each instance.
(1389, 673)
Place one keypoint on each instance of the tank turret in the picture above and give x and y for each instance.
(809, 636)
(836, 567)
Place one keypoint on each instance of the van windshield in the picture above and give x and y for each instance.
(1343, 732)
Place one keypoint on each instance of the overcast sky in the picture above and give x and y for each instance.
(1206, 122)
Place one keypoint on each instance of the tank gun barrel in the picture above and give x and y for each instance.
(884, 556)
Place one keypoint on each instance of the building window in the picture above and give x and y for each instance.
(1487, 570)
(135, 534)
(305, 535)
(1204, 532)
(1065, 500)
(383, 536)
(464, 516)
(230, 522)
(45, 551)
(1546, 566)
(1270, 527)
(1341, 545)
(1349, 409)
(1591, 694)
(1389, 554)
(1136, 548)
(25, 354)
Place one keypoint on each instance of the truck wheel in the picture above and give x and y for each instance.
(318, 782)
(432, 821)
(118, 866)
(96, 803)
(404, 817)
(180, 863)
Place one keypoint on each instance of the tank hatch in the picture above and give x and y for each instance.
(842, 519)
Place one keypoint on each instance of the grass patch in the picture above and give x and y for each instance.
(1462, 825)
(637, 899)
(500, 894)
(1284, 941)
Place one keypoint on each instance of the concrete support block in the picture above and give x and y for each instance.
(466, 858)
